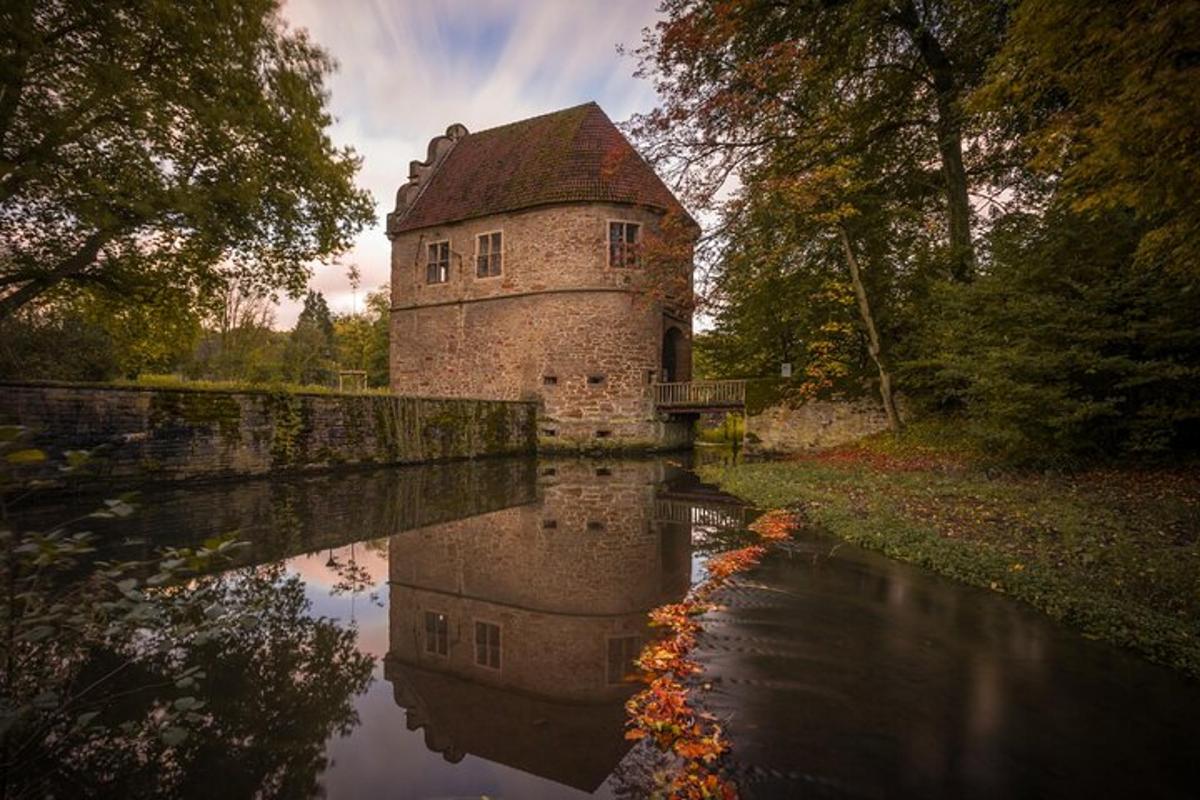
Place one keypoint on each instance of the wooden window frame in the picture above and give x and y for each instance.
(436, 640)
(631, 255)
(494, 258)
(486, 664)
(442, 266)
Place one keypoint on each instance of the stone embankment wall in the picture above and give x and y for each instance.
(179, 434)
(813, 425)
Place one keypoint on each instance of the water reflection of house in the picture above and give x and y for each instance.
(511, 632)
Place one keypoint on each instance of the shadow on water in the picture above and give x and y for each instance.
(503, 602)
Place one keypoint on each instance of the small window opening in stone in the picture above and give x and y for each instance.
(549, 432)
(603, 434)
(595, 526)
(624, 243)
(437, 262)
(487, 645)
(549, 524)
(437, 633)
(550, 471)
(622, 650)
(550, 380)
(595, 379)
(603, 472)
(649, 376)
(489, 253)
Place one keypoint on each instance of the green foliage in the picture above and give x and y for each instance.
(1065, 347)
(1103, 97)
(89, 335)
(1113, 556)
(782, 297)
(54, 346)
(155, 144)
(729, 430)
(363, 339)
(308, 355)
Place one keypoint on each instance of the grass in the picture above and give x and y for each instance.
(1112, 552)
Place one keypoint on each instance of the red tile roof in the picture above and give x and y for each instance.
(573, 155)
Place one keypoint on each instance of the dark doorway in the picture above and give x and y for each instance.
(673, 356)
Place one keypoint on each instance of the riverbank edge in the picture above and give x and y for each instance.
(1159, 637)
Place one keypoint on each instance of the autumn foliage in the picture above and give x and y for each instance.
(663, 712)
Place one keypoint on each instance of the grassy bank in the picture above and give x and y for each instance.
(1114, 553)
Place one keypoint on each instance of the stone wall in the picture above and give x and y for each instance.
(558, 326)
(813, 425)
(176, 434)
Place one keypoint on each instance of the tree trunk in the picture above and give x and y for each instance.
(948, 128)
(83, 258)
(958, 206)
(864, 310)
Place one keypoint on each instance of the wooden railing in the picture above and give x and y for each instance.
(700, 394)
(712, 515)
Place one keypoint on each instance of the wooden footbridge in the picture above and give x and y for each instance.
(700, 397)
(703, 512)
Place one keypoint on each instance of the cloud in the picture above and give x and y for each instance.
(407, 70)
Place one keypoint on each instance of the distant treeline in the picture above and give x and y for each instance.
(90, 337)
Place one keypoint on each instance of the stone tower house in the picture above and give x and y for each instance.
(544, 260)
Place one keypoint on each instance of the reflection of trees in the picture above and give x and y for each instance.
(159, 686)
(353, 578)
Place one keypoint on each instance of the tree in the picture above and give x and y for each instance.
(354, 278)
(84, 334)
(145, 142)
(779, 299)
(740, 79)
(308, 356)
(1101, 101)
(1065, 348)
(362, 340)
(238, 342)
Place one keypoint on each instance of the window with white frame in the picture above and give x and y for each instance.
(489, 254)
(624, 239)
(487, 645)
(437, 262)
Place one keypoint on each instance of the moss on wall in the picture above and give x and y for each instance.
(286, 414)
(171, 435)
(206, 410)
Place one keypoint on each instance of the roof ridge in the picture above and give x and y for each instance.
(536, 117)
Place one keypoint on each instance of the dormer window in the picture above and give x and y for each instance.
(437, 262)
(488, 254)
(624, 239)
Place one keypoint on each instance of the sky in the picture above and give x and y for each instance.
(410, 68)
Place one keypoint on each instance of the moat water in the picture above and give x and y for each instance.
(500, 603)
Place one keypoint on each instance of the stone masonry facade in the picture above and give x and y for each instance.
(558, 326)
